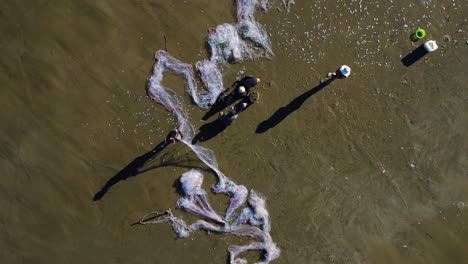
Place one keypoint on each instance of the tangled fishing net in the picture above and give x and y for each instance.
(196, 200)
(228, 44)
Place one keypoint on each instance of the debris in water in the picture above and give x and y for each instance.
(240, 73)
(382, 169)
(404, 82)
(447, 38)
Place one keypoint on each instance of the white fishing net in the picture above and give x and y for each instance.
(227, 45)
(238, 193)
(248, 28)
(196, 200)
(256, 33)
(165, 96)
(256, 214)
(212, 79)
(246, 9)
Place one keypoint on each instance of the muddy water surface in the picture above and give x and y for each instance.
(371, 169)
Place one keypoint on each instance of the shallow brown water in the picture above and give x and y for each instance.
(371, 169)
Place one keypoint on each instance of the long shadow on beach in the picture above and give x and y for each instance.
(135, 167)
(210, 130)
(295, 104)
(132, 169)
(414, 56)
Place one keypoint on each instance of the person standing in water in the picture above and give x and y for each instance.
(343, 72)
(234, 112)
(243, 86)
(174, 136)
(241, 91)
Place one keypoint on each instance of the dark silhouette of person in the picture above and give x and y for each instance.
(247, 82)
(133, 168)
(210, 130)
(232, 115)
(240, 89)
(174, 136)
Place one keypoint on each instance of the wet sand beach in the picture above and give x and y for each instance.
(368, 169)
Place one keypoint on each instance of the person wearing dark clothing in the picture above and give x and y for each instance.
(232, 115)
(243, 86)
(247, 82)
(173, 136)
(224, 119)
(241, 91)
(229, 117)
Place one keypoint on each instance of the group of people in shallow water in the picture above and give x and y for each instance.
(241, 92)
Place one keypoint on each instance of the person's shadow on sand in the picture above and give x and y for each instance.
(210, 130)
(295, 104)
(137, 166)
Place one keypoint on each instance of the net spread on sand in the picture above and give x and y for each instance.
(227, 45)
(196, 200)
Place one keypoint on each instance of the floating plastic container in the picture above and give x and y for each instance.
(430, 45)
(420, 33)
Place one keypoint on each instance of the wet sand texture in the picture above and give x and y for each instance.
(371, 169)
